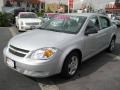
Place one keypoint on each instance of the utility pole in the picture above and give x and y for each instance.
(68, 7)
(59, 4)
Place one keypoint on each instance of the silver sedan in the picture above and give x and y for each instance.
(60, 45)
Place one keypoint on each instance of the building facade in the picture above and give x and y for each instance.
(28, 5)
(53, 7)
(117, 1)
(113, 7)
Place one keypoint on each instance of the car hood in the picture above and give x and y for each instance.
(36, 39)
(29, 20)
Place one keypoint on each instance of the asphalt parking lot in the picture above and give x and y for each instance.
(98, 73)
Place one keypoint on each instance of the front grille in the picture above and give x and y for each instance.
(34, 23)
(18, 51)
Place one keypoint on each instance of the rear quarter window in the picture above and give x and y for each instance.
(104, 22)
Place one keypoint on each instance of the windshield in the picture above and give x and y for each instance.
(28, 15)
(65, 23)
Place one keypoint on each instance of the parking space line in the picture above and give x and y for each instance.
(47, 87)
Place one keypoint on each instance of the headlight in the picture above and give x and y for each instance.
(43, 53)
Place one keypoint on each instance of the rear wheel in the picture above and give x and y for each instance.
(71, 64)
(112, 45)
(18, 27)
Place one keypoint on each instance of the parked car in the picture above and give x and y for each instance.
(27, 20)
(48, 16)
(61, 45)
(116, 22)
(13, 12)
(118, 17)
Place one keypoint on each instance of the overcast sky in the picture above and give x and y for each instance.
(97, 3)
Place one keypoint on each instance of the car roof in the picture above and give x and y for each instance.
(10, 9)
(26, 12)
(84, 14)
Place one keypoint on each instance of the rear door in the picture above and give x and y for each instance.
(105, 31)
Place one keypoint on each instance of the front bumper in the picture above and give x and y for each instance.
(33, 68)
(28, 27)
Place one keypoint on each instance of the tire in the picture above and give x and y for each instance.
(16, 25)
(19, 29)
(71, 65)
(112, 45)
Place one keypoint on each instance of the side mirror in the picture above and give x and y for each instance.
(92, 30)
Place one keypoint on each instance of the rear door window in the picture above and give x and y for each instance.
(104, 22)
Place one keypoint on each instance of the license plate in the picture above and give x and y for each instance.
(10, 62)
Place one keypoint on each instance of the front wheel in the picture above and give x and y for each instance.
(71, 64)
(112, 45)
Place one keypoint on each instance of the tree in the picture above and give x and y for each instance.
(49, 10)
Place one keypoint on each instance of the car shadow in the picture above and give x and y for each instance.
(87, 68)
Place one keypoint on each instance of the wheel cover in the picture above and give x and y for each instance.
(73, 65)
(112, 46)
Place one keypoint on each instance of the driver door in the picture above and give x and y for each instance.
(91, 41)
